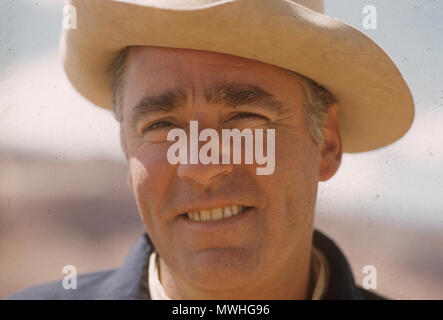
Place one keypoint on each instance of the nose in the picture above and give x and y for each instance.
(203, 174)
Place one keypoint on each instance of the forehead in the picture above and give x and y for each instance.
(161, 57)
(154, 69)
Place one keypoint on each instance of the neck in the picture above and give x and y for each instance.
(289, 280)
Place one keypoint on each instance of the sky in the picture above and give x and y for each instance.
(40, 113)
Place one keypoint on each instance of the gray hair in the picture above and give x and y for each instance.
(317, 100)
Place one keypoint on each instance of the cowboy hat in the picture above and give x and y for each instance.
(376, 106)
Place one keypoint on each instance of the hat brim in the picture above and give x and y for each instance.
(376, 106)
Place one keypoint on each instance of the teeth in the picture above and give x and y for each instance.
(195, 215)
(227, 212)
(205, 215)
(215, 214)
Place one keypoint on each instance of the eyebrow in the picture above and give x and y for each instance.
(233, 94)
(164, 102)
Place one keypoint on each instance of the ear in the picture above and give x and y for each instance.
(331, 147)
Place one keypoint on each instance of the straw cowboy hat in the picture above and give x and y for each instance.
(376, 106)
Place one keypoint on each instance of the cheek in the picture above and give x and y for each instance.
(293, 185)
(297, 159)
(150, 173)
(295, 175)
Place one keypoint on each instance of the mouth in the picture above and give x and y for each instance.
(220, 213)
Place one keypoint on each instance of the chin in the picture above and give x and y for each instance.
(222, 268)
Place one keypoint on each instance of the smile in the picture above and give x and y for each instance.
(217, 213)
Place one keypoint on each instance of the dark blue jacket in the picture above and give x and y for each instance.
(130, 280)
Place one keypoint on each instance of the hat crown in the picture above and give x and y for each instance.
(315, 5)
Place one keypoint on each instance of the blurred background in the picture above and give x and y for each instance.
(64, 198)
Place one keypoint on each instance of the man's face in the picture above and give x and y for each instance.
(177, 86)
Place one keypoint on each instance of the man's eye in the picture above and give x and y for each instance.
(157, 125)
